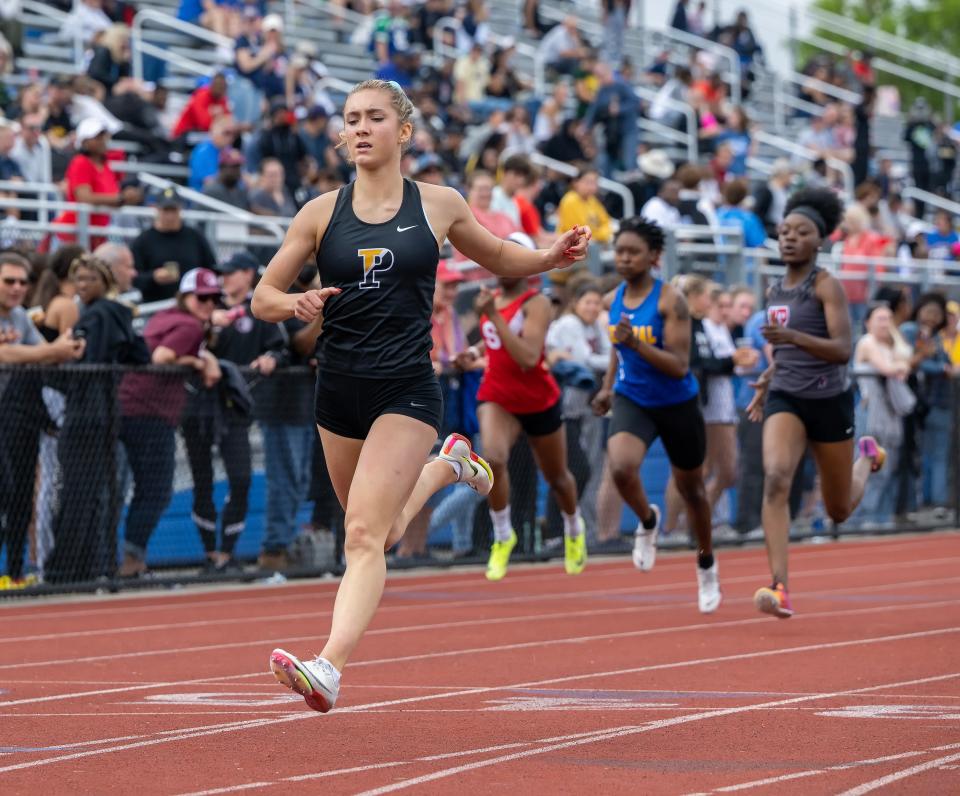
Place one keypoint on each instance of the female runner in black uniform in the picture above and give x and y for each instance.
(376, 243)
(805, 396)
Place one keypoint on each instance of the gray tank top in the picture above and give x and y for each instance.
(799, 373)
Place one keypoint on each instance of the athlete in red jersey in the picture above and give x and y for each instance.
(519, 394)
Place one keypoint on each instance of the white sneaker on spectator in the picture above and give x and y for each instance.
(708, 593)
(645, 543)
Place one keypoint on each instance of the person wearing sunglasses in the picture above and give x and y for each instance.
(20, 420)
(152, 404)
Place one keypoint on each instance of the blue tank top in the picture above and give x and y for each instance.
(637, 379)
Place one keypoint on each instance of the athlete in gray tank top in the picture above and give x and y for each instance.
(803, 398)
(798, 371)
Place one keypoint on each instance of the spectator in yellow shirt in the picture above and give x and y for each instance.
(580, 206)
(951, 333)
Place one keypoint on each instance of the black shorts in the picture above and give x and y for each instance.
(349, 405)
(539, 424)
(825, 419)
(680, 426)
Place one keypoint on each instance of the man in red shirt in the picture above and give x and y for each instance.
(205, 104)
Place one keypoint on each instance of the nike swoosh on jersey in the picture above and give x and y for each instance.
(404, 229)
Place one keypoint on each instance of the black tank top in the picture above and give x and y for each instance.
(379, 326)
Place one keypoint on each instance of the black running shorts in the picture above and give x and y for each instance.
(679, 426)
(349, 405)
(825, 419)
(540, 424)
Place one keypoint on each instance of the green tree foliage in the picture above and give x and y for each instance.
(934, 23)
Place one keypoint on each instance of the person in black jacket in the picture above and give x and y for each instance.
(84, 530)
(211, 418)
(111, 57)
(166, 251)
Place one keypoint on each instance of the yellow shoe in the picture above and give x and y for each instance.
(575, 552)
(500, 557)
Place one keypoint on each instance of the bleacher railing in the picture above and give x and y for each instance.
(139, 46)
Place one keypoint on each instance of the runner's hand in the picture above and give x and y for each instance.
(623, 332)
(484, 303)
(570, 247)
(309, 305)
(761, 387)
(602, 402)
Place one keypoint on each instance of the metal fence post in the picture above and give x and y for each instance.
(668, 263)
(83, 226)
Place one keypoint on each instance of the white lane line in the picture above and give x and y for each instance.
(650, 726)
(538, 617)
(882, 782)
(759, 783)
(565, 595)
(464, 578)
(551, 681)
(548, 642)
(395, 763)
(460, 579)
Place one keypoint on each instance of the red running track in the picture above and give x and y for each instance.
(610, 682)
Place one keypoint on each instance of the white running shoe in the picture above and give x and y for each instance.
(708, 582)
(645, 543)
(317, 681)
(474, 471)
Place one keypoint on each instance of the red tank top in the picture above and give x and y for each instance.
(519, 391)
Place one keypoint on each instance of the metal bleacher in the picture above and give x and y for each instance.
(326, 32)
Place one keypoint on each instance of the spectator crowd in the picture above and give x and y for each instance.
(160, 359)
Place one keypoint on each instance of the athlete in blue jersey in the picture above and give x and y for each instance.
(654, 394)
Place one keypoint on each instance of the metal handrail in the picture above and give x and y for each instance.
(800, 151)
(721, 50)
(949, 90)
(138, 46)
(629, 207)
(931, 199)
(693, 152)
(887, 42)
(222, 208)
(60, 18)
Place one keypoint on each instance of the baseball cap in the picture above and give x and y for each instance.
(448, 275)
(273, 22)
(169, 198)
(240, 261)
(89, 128)
(229, 156)
(427, 162)
(200, 281)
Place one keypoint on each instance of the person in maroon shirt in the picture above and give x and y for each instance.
(152, 404)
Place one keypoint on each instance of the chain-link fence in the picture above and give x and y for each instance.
(113, 477)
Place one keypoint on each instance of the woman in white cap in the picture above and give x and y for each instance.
(376, 243)
(90, 180)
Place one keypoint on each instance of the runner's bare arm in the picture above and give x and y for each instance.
(502, 257)
(525, 349)
(271, 302)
